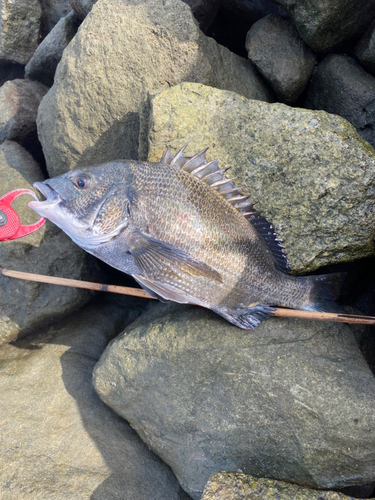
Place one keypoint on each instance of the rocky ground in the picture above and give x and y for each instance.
(181, 404)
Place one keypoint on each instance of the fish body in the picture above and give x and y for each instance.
(184, 232)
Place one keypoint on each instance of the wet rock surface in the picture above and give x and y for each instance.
(155, 46)
(291, 400)
(58, 439)
(309, 172)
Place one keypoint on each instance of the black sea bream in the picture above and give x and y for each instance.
(184, 232)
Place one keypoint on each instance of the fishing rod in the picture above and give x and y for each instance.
(11, 229)
(139, 292)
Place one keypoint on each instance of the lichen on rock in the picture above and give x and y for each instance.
(309, 172)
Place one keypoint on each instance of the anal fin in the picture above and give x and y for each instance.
(248, 319)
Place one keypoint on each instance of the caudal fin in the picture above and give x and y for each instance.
(325, 292)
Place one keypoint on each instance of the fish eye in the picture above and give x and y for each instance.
(82, 181)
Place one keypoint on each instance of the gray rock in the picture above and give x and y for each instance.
(91, 114)
(20, 23)
(309, 172)
(364, 491)
(325, 24)
(19, 102)
(339, 85)
(235, 17)
(365, 50)
(82, 7)
(204, 11)
(25, 304)
(285, 61)
(292, 399)
(52, 12)
(253, 10)
(10, 71)
(42, 65)
(229, 485)
(58, 440)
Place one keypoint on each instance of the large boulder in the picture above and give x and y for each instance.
(122, 50)
(292, 400)
(58, 440)
(25, 304)
(341, 86)
(324, 24)
(276, 49)
(19, 102)
(42, 65)
(204, 10)
(231, 485)
(20, 23)
(309, 172)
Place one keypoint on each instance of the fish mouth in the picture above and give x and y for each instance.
(52, 198)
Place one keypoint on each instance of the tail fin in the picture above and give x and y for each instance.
(325, 292)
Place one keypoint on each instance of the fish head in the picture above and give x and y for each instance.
(91, 205)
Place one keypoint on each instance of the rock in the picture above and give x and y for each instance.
(82, 7)
(19, 102)
(325, 24)
(10, 71)
(42, 65)
(20, 23)
(58, 439)
(292, 400)
(339, 85)
(25, 305)
(91, 114)
(52, 12)
(365, 50)
(365, 491)
(234, 19)
(204, 11)
(254, 10)
(309, 172)
(229, 485)
(277, 51)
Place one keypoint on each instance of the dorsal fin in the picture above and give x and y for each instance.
(211, 174)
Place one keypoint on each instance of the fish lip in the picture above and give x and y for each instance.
(52, 197)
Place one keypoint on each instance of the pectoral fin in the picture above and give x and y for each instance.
(157, 260)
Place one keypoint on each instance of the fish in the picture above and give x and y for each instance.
(185, 233)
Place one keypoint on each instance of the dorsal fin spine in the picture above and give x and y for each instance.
(199, 167)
